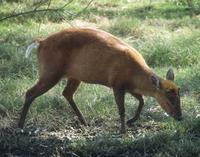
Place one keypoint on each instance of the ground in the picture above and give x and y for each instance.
(164, 32)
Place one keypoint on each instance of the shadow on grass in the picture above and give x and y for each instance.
(181, 142)
(13, 143)
(16, 143)
(167, 12)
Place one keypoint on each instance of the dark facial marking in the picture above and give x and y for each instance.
(173, 97)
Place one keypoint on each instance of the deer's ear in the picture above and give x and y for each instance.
(170, 74)
(155, 81)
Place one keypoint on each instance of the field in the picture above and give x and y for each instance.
(165, 33)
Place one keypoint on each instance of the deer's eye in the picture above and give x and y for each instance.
(172, 92)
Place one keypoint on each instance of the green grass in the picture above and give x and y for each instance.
(164, 33)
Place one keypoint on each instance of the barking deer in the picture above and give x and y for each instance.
(97, 57)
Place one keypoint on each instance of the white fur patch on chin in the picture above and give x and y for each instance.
(166, 114)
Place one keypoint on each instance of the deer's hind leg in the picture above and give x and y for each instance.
(45, 83)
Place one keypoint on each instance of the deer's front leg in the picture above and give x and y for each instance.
(119, 98)
(139, 109)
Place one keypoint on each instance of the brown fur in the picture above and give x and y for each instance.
(92, 56)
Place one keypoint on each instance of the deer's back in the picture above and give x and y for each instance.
(90, 55)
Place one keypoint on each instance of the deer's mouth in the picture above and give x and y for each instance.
(174, 115)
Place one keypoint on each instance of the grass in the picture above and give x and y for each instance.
(164, 33)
